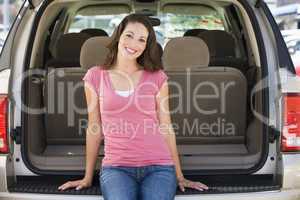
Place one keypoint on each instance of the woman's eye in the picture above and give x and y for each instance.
(142, 40)
(128, 35)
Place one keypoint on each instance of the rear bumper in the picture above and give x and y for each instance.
(273, 195)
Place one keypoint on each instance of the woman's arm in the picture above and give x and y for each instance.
(169, 135)
(166, 126)
(94, 134)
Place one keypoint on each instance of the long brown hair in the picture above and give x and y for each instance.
(150, 59)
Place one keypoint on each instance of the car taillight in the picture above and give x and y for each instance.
(291, 129)
(3, 124)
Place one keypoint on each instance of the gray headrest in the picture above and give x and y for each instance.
(69, 45)
(220, 43)
(94, 51)
(194, 32)
(94, 32)
(185, 52)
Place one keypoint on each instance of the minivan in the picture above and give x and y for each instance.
(249, 145)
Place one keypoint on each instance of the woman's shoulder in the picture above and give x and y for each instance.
(160, 74)
(93, 77)
(158, 77)
(96, 68)
(93, 74)
(157, 73)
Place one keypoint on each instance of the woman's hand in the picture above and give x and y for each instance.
(183, 183)
(78, 184)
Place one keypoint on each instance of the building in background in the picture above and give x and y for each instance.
(286, 2)
(286, 13)
(288, 16)
(8, 11)
(272, 4)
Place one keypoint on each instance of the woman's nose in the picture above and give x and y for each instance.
(134, 44)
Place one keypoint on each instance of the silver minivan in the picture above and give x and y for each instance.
(245, 142)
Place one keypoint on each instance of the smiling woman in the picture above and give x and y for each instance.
(220, 127)
(143, 162)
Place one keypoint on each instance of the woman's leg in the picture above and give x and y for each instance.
(117, 184)
(159, 183)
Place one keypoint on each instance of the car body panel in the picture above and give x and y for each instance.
(291, 171)
(274, 195)
(290, 83)
(4, 79)
(6, 172)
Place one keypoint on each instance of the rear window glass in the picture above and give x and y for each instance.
(104, 22)
(172, 25)
(9, 10)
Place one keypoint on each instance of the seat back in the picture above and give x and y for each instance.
(207, 104)
(222, 47)
(68, 50)
(64, 97)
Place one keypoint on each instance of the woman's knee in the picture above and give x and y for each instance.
(116, 184)
(160, 184)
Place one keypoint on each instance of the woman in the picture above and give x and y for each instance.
(139, 163)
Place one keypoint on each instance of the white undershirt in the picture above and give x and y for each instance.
(124, 93)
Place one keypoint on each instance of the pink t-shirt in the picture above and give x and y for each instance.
(130, 124)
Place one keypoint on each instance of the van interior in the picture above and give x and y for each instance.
(209, 52)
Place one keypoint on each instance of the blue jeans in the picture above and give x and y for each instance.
(153, 182)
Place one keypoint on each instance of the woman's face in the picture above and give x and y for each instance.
(133, 41)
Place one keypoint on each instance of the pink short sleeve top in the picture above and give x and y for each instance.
(130, 124)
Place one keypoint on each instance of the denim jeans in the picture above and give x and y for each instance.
(153, 182)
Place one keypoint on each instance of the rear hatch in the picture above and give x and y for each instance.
(245, 164)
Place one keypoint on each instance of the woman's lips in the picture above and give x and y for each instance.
(131, 51)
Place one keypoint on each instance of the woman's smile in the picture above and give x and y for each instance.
(130, 50)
